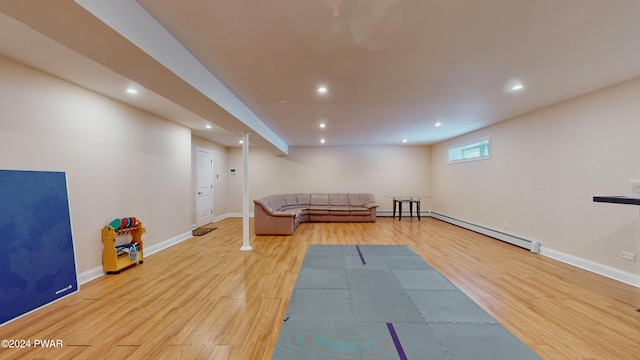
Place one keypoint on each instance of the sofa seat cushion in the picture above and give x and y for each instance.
(296, 207)
(339, 210)
(358, 211)
(318, 210)
(295, 211)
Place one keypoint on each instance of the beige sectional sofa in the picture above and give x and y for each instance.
(281, 214)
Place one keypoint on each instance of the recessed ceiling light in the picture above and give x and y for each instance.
(240, 141)
(513, 85)
(208, 126)
(322, 90)
(404, 140)
(323, 125)
(132, 91)
(438, 124)
(321, 141)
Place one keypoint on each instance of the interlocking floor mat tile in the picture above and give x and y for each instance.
(385, 302)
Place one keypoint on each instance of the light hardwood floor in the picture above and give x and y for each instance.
(205, 299)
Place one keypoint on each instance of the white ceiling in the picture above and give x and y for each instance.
(393, 67)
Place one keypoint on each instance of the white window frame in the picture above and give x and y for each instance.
(469, 144)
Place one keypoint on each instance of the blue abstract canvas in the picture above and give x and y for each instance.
(37, 261)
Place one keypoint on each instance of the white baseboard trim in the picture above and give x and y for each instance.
(92, 274)
(604, 270)
(530, 245)
(150, 250)
(221, 217)
(215, 219)
(389, 213)
(86, 276)
(237, 215)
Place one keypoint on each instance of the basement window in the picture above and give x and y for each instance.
(477, 150)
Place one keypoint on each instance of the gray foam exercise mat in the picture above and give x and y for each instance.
(385, 302)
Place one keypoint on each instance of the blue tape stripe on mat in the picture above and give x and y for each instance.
(396, 342)
(361, 257)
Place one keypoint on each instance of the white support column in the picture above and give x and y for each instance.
(245, 193)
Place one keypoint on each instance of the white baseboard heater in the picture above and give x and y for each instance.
(531, 245)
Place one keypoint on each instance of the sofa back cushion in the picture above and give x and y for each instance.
(360, 199)
(338, 199)
(303, 199)
(290, 200)
(319, 199)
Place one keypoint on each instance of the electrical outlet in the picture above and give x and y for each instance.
(505, 224)
(628, 256)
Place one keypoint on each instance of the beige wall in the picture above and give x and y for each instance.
(381, 170)
(545, 167)
(544, 170)
(120, 161)
(220, 176)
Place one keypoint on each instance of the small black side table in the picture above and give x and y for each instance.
(399, 200)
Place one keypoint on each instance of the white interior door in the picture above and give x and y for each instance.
(204, 187)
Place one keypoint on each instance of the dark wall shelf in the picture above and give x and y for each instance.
(629, 200)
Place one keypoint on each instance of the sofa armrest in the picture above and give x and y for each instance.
(370, 205)
(263, 206)
(272, 224)
(283, 214)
